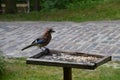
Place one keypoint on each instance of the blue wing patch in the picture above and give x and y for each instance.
(40, 41)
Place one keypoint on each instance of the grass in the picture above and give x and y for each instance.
(109, 10)
(1, 63)
(17, 69)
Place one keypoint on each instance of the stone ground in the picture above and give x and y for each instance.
(101, 37)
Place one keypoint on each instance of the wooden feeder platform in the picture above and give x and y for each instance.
(68, 60)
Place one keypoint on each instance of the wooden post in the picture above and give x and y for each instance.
(0, 6)
(67, 73)
(28, 8)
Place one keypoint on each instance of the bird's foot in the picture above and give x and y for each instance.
(47, 51)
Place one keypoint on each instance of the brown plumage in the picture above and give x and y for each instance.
(43, 40)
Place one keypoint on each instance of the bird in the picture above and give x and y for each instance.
(42, 41)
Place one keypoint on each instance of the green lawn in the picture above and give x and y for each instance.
(17, 69)
(109, 10)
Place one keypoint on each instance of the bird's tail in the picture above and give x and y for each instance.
(27, 47)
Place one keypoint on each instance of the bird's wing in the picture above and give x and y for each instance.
(39, 41)
(35, 42)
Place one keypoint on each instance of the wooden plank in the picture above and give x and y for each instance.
(38, 60)
(60, 64)
(103, 60)
(65, 52)
(75, 53)
(22, 5)
(40, 54)
(18, 5)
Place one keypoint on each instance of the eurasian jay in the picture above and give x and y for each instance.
(43, 40)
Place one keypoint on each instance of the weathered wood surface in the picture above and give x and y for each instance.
(38, 60)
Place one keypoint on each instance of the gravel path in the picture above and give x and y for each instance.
(101, 37)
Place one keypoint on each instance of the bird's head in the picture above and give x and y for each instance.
(50, 30)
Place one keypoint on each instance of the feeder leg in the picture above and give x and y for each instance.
(67, 73)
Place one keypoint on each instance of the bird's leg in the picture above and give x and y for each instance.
(45, 47)
(47, 50)
(41, 49)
